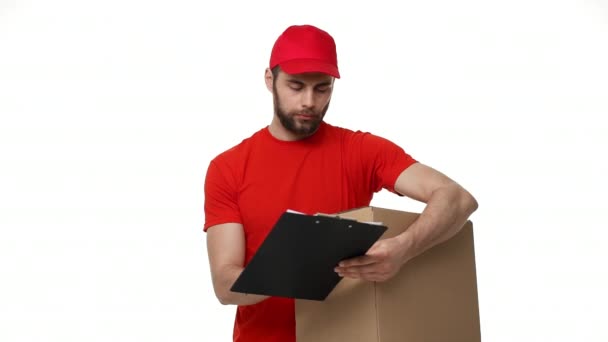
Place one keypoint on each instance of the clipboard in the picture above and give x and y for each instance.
(298, 257)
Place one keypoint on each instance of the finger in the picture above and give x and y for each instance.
(379, 252)
(363, 269)
(369, 276)
(365, 276)
(358, 261)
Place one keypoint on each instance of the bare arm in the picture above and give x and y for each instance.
(448, 207)
(226, 249)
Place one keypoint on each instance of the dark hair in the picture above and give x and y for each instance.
(275, 71)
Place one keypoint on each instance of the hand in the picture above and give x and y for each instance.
(381, 262)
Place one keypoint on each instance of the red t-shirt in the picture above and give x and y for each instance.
(253, 183)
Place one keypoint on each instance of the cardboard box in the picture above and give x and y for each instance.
(432, 299)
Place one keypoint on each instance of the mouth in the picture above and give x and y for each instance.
(306, 117)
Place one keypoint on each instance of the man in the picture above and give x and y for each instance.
(301, 162)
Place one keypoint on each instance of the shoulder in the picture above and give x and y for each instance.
(343, 133)
(228, 166)
(238, 152)
(358, 136)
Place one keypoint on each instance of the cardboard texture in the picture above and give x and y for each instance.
(432, 299)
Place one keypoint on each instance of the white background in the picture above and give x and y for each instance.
(111, 110)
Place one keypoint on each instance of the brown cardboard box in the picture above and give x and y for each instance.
(432, 299)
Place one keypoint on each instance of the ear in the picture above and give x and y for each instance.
(268, 79)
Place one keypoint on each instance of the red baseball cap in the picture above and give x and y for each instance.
(305, 48)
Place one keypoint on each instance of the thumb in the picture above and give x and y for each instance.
(378, 251)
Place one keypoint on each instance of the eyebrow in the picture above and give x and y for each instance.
(320, 84)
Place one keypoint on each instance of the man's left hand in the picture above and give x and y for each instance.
(381, 262)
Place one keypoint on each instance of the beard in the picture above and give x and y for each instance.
(290, 121)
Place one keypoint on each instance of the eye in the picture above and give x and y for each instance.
(295, 85)
(323, 89)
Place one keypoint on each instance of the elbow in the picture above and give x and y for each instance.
(464, 200)
(223, 295)
(469, 202)
(226, 298)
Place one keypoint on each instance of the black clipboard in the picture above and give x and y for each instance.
(298, 257)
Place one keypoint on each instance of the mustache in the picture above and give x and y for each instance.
(307, 112)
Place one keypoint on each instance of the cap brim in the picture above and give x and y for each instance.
(301, 66)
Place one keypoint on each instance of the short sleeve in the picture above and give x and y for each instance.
(221, 196)
(384, 161)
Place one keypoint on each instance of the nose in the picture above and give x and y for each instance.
(308, 98)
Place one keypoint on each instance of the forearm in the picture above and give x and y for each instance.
(222, 286)
(446, 212)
